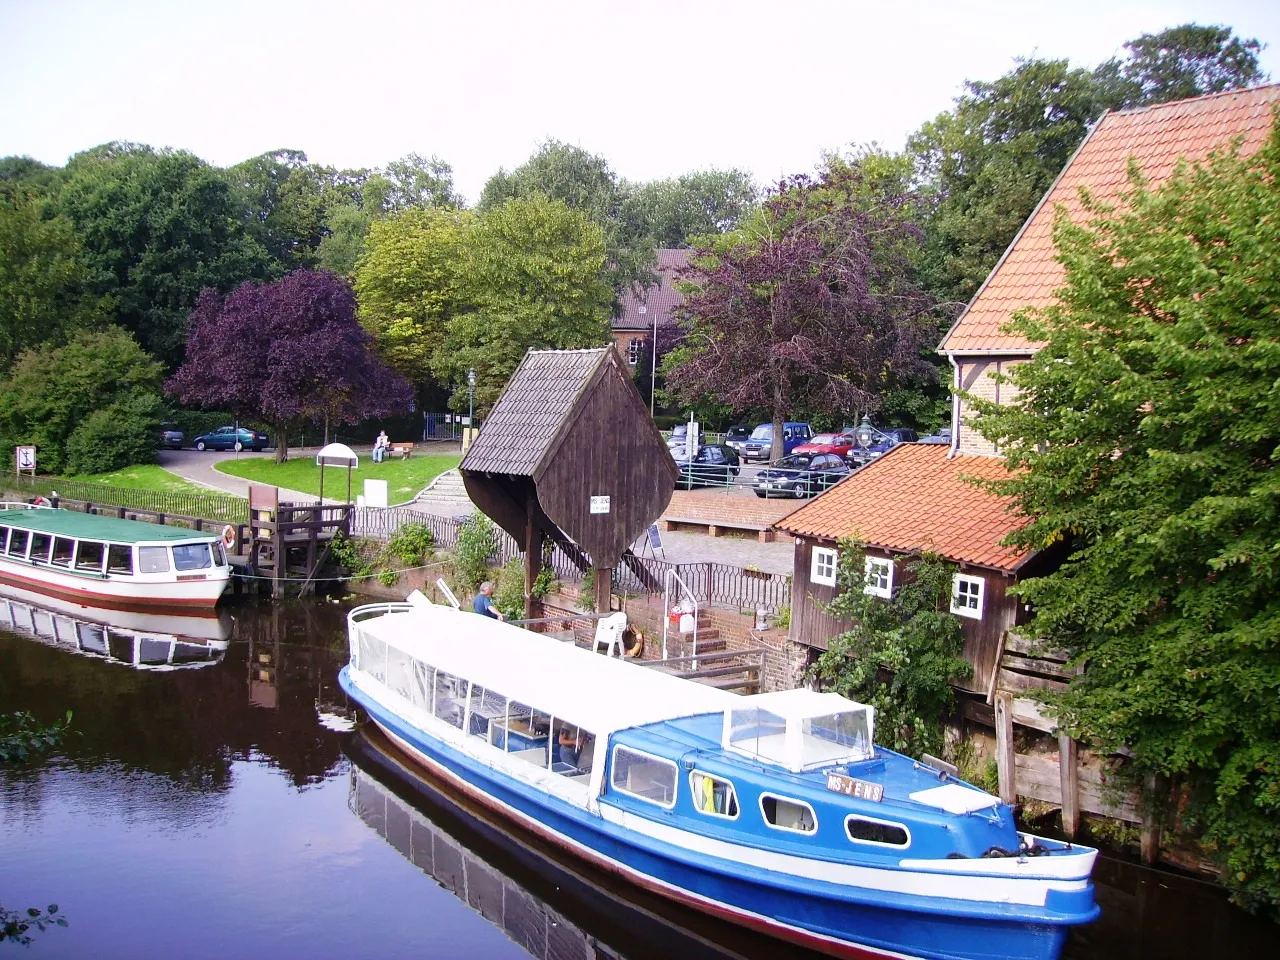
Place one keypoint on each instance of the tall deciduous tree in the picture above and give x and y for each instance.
(288, 351)
(1188, 61)
(672, 213)
(533, 275)
(157, 227)
(43, 279)
(1146, 434)
(814, 305)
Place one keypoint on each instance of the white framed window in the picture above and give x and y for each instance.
(713, 796)
(634, 346)
(783, 813)
(823, 570)
(643, 776)
(879, 833)
(966, 596)
(879, 577)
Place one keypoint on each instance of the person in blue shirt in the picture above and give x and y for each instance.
(483, 603)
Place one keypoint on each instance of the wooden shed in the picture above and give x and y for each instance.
(569, 453)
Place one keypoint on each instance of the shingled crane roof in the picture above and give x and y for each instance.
(1155, 138)
(524, 425)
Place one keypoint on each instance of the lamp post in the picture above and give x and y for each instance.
(471, 402)
(864, 434)
(653, 367)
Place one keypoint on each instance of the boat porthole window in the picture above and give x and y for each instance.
(119, 558)
(643, 776)
(782, 813)
(884, 833)
(153, 559)
(713, 796)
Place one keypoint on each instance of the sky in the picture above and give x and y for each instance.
(658, 88)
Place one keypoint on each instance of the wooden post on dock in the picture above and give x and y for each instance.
(1067, 759)
(1150, 841)
(1006, 765)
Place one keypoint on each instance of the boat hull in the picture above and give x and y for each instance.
(842, 922)
(188, 596)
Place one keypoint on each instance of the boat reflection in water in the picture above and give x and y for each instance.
(146, 641)
(552, 907)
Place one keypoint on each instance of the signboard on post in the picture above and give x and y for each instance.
(654, 538)
(25, 459)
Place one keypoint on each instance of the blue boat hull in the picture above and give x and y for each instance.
(836, 920)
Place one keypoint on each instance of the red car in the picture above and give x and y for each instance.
(837, 443)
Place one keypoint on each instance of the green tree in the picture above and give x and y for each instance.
(57, 398)
(1146, 435)
(671, 213)
(157, 227)
(409, 284)
(533, 276)
(420, 182)
(283, 205)
(43, 279)
(901, 654)
(1186, 61)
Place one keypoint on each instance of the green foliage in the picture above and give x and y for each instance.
(15, 925)
(902, 654)
(1184, 61)
(587, 592)
(411, 545)
(43, 279)
(508, 592)
(782, 618)
(23, 737)
(50, 396)
(477, 539)
(121, 435)
(671, 213)
(1146, 437)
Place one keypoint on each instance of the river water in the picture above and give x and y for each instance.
(225, 809)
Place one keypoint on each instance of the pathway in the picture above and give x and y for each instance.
(197, 467)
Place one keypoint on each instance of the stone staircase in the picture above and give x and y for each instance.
(446, 488)
(681, 644)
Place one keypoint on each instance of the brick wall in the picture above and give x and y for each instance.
(977, 377)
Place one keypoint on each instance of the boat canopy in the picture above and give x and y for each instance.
(800, 729)
(598, 694)
(89, 526)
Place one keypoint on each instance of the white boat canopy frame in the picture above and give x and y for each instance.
(800, 729)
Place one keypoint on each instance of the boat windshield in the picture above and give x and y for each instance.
(837, 738)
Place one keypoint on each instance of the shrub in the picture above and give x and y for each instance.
(476, 541)
(412, 544)
(118, 436)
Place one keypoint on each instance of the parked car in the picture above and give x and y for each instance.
(737, 436)
(228, 438)
(942, 436)
(171, 436)
(714, 465)
(760, 444)
(801, 475)
(885, 441)
(837, 443)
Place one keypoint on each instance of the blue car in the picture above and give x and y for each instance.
(229, 438)
(760, 446)
(885, 441)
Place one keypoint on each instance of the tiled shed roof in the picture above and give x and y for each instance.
(1156, 137)
(638, 311)
(914, 499)
(527, 417)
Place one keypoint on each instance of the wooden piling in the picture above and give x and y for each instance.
(1067, 771)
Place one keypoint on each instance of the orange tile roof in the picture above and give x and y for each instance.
(914, 498)
(1156, 137)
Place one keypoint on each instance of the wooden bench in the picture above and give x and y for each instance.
(402, 450)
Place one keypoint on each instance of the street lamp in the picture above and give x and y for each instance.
(471, 400)
(653, 367)
(865, 433)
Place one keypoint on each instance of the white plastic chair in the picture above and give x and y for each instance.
(609, 634)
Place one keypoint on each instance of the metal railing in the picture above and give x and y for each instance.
(222, 508)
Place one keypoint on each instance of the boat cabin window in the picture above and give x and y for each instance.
(883, 832)
(450, 699)
(64, 550)
(18, 543)
(40, 544)
(574, 750)
(838, 737)
(219, 555)
(192, 556)
(4, 539)
(399, 677)
(759, 732)
(524, 732)
(713, 796)
(784, 814)
(89, 556)
(424, 682)
(647, 778)
(119, 558)
(484, 708)
(153, 559)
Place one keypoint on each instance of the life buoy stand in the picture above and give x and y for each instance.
(229, 537)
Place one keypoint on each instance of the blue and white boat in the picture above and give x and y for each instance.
(775, 811)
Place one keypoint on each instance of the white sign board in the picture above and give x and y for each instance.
(26, 458)
(375, 493)
(599, 504)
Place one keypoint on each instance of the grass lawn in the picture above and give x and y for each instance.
(144, 476)
(405, 478)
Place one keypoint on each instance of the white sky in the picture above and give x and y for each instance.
(658, 88)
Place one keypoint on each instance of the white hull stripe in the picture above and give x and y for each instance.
(785, 930)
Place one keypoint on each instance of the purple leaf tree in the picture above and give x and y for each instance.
(811, 306)
(289, 352)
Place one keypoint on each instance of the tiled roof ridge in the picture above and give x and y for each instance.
(1168, 104)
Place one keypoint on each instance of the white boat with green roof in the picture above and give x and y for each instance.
(110, 562)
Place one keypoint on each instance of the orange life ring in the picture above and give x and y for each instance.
(229, 536)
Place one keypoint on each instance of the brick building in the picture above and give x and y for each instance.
(635, 323)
